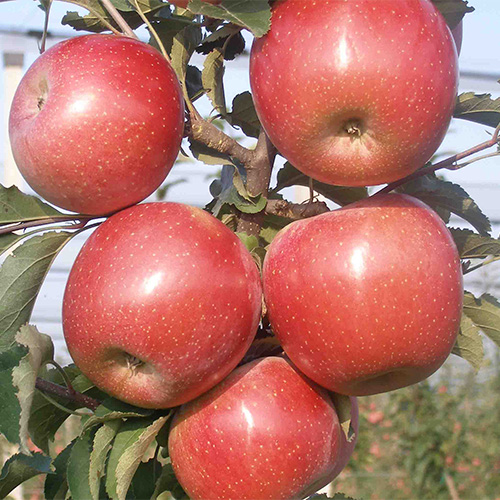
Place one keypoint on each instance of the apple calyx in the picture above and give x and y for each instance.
(353, 127)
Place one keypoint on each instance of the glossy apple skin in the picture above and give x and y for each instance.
(110, 124)
(265, 432)
(355, 93)
(368, 298)
(169, 285)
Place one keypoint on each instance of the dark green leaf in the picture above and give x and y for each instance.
(220, 38)
(130, 444)
(290, 176)
(343, 408)
(474, 246)
(255, 15)
(112, 409)
(453, 10)
(78, 469)
(469, 344)
(144, 480)
(251, 242)
(167, 29)
(244, 115)
(56, 485)
(484, 313)
(324, 496)
(208, 155)
(10, 409)
(212, 79)
(478, 108)
(21, 276)
(167, 482)
(183, 45)
(20, 468)
(271, 226)
(438, 193)
(194, 83)
(16, 206)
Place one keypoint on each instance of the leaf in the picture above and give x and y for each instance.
(271, 226)
(56, 485)
(250, 241)
(112, 409)
(438, 193)
(46, 418)
(469, 344)
(167, 29)
(20, 468)
(143, 483)
(474, 246)
(102, 444)
(208, 155)
(167, 482)
(130, 444)
(78, 472)
(244, 115)
(343, 407)
(255, 15)
(40, 350)
(484, 313)
(212, 78)
(183, 46)
(21, 276)
(453, 10)
(10, 409)
(16, 206)
(9, 240)
(194, 83)
(324, 496)
(290, 176)
(228, 37)
(478, 108)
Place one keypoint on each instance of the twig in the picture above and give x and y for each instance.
(482, 264)
(448, 163)
(63, 392)
(296, 211)
(451, 487)
(80, 222)
(118, 18)
(45, 27)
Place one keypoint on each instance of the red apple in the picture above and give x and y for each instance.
(96, 123)
(355, 92)
(367, 298)
(161, 304)
(265, 432)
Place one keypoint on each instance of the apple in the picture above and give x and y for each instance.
(367, 298)
(97, 122)
(265, 432)
(161, 304)
(355, 93)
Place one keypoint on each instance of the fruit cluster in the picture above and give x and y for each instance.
(164, 301)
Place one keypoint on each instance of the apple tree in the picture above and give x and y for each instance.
(192, 376)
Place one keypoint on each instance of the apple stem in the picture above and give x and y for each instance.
(65, 393)
(118, 18)
(45, 26)
(450, 163)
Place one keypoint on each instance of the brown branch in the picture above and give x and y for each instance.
(450, 163)
(65, 393)
(451, 487)
(296, 211)
(208, 134)
(118, 18)
(80, 222)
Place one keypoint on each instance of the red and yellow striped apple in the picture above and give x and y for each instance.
(367, 298)
(355, 92)
(161, 304)
(97, 122)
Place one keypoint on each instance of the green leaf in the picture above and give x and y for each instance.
(143, 483)
(438, 193)
(56, 485)
(102, 444)
(46, 418)
(271, 226)
(343, 407)
(78, 469)
(9, 240)
(255, 15)
(469, 344)
(478, 108)
(167, 483)
(208, 155)
(40, 350)
(167, 29)
(324, 496)
(16, 206)
(250, 241)
(474, 246)
(453, 10)
(20, 468)
(212, 79)
(243, 115)
(21, 276)
(484, 313)
(112, 409)
(290, 176)
(10, 409)
(130, 444)
(183, 45)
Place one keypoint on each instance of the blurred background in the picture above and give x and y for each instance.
(437, 440)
